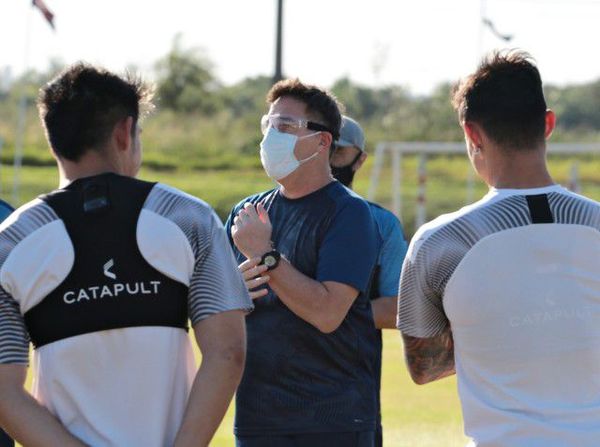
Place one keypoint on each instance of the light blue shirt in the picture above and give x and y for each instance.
(5, 210)
(392, 252)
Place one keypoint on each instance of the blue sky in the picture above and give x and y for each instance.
(417, 44)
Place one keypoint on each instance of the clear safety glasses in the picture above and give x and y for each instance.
(289, 124)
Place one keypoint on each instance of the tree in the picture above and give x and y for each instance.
(186, 82)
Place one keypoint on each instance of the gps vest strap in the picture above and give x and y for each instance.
(539, 209)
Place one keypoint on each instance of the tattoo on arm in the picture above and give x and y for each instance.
(430, 359)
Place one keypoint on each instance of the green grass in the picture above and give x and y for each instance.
(223, 188)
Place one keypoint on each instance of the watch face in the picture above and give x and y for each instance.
(270, 261)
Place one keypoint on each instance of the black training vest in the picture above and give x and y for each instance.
(110, 285)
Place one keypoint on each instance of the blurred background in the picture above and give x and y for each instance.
(392, 64)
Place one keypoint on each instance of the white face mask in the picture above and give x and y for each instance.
(277, 153)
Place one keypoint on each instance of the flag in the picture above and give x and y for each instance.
(490, 25)
(44, 10)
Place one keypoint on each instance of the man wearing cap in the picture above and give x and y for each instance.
(347, 158)
(310, 378)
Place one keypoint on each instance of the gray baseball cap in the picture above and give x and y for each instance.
(351, 134)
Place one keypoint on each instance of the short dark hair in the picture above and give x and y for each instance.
(505, 97)
(321, 105)
(80, 107)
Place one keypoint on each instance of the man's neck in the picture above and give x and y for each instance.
(297, 185)
(88, 166)
(524, 183)
(520, 171)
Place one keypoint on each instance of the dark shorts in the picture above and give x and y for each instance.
(5, 441)
(378, 437)
(351, 439)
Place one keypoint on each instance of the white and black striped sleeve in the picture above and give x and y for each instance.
(14, 339)
(26, 221)
(420, 308)
(211, 272)
(216, 284)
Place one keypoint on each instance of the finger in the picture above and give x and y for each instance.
(248, 264)
(257, 282)
(250, 211)
(258, 294)
(254, 271)
(263, 214)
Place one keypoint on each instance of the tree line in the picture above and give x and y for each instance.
(200, 113)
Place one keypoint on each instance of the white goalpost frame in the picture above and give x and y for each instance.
(424, 149)
(1, 145)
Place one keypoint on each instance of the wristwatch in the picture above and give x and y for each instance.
(270, 259)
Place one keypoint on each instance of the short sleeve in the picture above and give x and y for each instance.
(229, 224)
(216, 285)
(14, 339)
(349, 248)
(420, 309)
(391, 256)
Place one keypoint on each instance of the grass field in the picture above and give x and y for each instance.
(446, 187)
(412, 416)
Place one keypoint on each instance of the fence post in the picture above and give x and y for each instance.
(1, 145)
(574, 184)
(421, 191)
(376, 171)
(397, 183)
(470, 185)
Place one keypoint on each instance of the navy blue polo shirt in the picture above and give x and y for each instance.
(298, 379)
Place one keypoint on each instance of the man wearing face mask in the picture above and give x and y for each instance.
(346, 159)
(310, 378)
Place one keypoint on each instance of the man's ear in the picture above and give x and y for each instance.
(360, 161)
(473, 134)
(550, 123)
(122, 134)
(326, 140)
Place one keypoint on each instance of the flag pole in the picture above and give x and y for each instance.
(482, 16)
(278, 75)
(22, 117)
(1, 145)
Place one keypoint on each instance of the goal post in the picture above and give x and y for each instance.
(424, 150)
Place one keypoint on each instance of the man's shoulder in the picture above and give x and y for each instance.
(32, 224)
(581, 203)
(167, 207)
(27, 218)
(345, 198)
(385, 219)
(177, 205)
(428, 234)
(178, 197)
